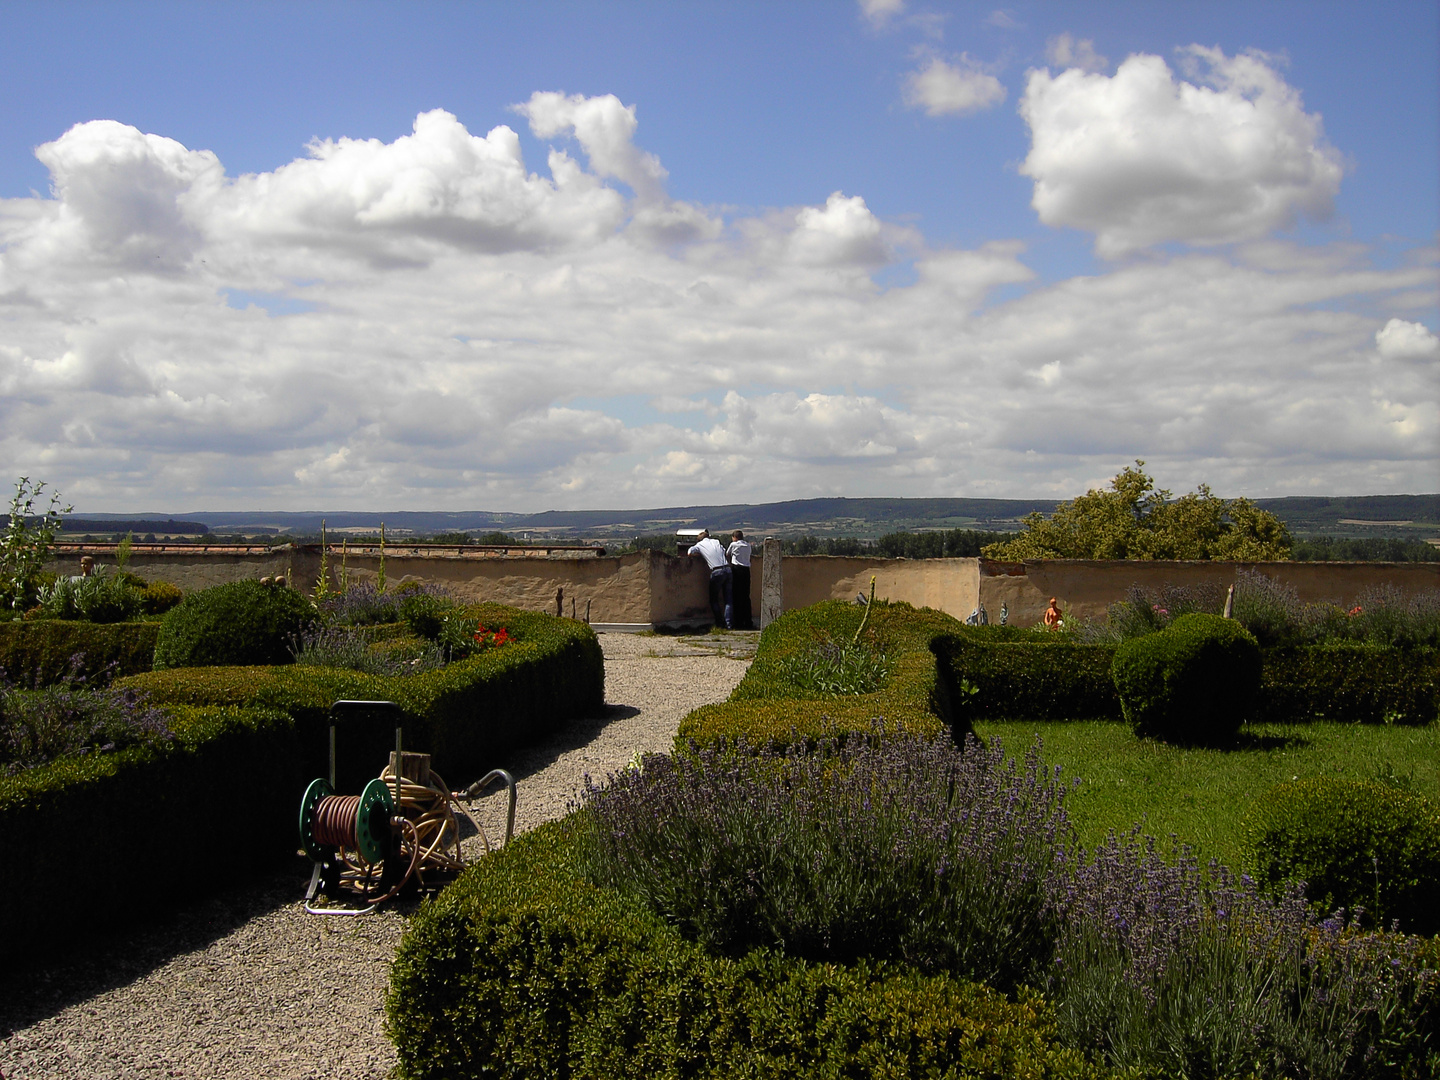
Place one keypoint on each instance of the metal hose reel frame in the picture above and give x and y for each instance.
(372, 824)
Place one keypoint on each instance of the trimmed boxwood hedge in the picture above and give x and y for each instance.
(766, 710)
(1354, 844)
(465, 714)
(1354, 683)
(524, 969)
(1193, 683)
(240, 622)
(94, 842)
(37, 652)
(1030, 674)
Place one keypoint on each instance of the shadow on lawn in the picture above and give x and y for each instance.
(1250, 740)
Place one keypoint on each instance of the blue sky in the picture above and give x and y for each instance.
(814, 260)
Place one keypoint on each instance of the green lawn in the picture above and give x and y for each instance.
(1202, 796)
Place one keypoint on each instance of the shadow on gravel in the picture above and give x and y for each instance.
(529, 760)
(40, 987)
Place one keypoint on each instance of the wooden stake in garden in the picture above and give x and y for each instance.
(866, 618)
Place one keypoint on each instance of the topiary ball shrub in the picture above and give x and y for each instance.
(244, 622)
(1355, 845)
(1193, 683)
(159, 597)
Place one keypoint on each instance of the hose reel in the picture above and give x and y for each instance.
(401, 827)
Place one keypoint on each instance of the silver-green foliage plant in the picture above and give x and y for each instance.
(26, 542)
(348, 647)
(837, 669)
(103, 597)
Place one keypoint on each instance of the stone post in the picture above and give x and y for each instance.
(772, 600)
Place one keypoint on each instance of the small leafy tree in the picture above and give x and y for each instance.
(1136, 520)
(26, 542)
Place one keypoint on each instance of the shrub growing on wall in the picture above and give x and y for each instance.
(1193, 683)
(243, 622)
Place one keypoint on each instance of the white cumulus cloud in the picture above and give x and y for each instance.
(944, 89)
(1401, 340)
(842, 231)
(1140, 158)
(434, 322)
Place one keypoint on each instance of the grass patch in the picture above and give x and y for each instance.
(1202, 795)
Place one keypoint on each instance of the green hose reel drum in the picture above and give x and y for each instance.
(372, 822)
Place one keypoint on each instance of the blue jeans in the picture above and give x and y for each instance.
(721, 582)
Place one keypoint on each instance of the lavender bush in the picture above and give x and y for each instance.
(1273, 612)
(347, 647)
(1145, 610)
(73, 717)
(897, 849)
(1167, 967)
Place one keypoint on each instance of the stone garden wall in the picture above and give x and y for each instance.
(651, 588)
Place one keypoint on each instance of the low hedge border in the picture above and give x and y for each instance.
(1352, 683)
(1036, 675)
(37, 652)
(765, 710)
(1033, 678)
(95, 842)
(523, 968)
(465, 714)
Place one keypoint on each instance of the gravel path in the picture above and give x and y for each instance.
(248, 985)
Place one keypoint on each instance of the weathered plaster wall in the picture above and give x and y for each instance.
(654, 588)
(1086, 588)
(193, 570)
(614, 585)
(947, 584)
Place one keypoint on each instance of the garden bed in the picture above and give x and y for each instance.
(530, 966)
(97, 840)
(466, 714)
(772, 706)
(524, 969)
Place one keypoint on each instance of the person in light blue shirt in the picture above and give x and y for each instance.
(721, 579)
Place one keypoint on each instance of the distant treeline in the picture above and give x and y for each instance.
(1372, 549)
(940, 544)
(931, 544)
(136, 525)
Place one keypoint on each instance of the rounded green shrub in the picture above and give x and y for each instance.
(1193, 683)
(243, 622)
(1355, 845)
(159, 597)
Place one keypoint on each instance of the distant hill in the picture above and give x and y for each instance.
(1414, 517)
(1395, 516)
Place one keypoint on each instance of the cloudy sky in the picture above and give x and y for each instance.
(584, 255)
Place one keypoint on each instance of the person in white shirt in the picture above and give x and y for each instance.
(739, 555)
(721, 579)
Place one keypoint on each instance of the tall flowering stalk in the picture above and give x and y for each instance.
(380, 574)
